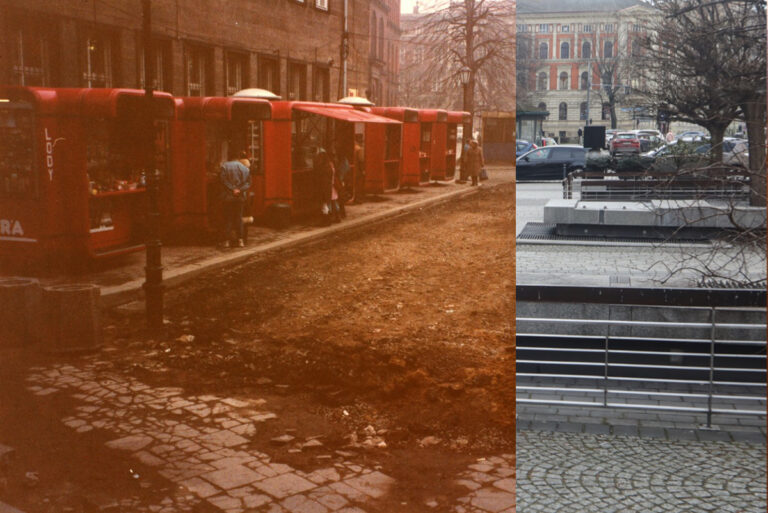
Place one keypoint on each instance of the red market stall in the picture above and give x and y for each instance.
(432, 146)
(454, 119)
(296, 133)
(410, 141)
(206, 132)
(71, 172)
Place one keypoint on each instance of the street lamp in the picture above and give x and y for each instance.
(464, 76)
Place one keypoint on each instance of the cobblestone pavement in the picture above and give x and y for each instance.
(569, 472)
(491, 482)
(634, 265)
(203, 444)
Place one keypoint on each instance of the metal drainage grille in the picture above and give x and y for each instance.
(546, 232)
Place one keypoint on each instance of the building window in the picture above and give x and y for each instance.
(583, 110)
(321, 4)
(236, 67)
(198, 75)
(97, 62)
(374, 38)
(381, 38)
(162, 71)
(543, 51)
(321, 85)
(269, 74)
(542, 107)
(542, 84)
(562, 112)
(584, 81)
(31, 64)
(563, 81)
(565, 51)
(543, 27)
(609, 27)
(635, 48)
(586, 50)
(565, 28)
(297, 81)
(587, 28)
(608, 50)
(606, 112)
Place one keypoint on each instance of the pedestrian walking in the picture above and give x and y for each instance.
(328, 185)
(235, 179)
(474, 161)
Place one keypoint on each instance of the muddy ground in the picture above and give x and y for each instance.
(405, 326)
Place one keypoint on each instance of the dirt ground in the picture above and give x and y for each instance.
(406, 326)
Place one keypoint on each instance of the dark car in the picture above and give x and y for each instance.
(524, 147)
(551, 162)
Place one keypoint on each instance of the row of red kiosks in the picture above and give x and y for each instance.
(72, 185)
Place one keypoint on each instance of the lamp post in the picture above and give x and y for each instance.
(153, 286)
(464, 76)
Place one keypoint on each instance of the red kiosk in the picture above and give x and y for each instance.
(71, 183)
(410, 141)
(206, 132)
(454, 119)
(433, 124)
(295, 134)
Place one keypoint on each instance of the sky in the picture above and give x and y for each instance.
(406, 6)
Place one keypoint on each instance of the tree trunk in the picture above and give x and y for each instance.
(717, 131)
(754, 116)
(614, 121)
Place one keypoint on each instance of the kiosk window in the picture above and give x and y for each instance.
(309, 133)
(17, 164)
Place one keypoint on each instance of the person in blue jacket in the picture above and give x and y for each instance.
(235, 179)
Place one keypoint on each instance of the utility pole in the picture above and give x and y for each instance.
(589, 84)
(344, 52)
(153, 286)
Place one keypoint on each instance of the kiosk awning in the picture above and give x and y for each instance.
(350, 115)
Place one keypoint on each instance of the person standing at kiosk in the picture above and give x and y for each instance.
(235, 179)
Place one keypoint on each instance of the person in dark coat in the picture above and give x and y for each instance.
(235, 180)
(474, 161)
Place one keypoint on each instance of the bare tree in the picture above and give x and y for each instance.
(477, 35)
(525, 67)
(614, 66)
(704, 63)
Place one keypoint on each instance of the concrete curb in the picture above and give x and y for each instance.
(132, 290)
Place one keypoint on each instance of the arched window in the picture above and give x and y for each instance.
(606, 113)
(542, 106)
(563, 80)
(635, 47)
(584, 81)
(565, 50)
(562, 112)
(586, 50)
(583, 110)
(542, 85)
(543, 51)
(608, 52)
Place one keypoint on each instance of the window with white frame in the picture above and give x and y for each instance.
(198, 71)
(236, 72)
(97, 61)
(321, 4)
(563, 81)
(161, 51)
(31, 64)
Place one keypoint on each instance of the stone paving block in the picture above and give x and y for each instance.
(748, 437)
(508, 485)
(324, 475)
(284, 485)
(491, 500)
(147, 458)
(374, 484)
(130, 443)
(255, 500)
(199, 487)
(597, 429)
(329, 499)
(301, 504)
(630, 430)
(707, 435)
(352, 494)
(225, 502)
(232, 477)
(223, 438)
(681, 434)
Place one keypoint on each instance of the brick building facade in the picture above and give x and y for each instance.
(205, 47)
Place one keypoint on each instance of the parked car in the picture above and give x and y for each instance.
(648, 140)
(551, 162)
(650, 131)
(624, 142)
(693, 136)
(524, 146)
(681, 155)
(609, 135)
(735, 151)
